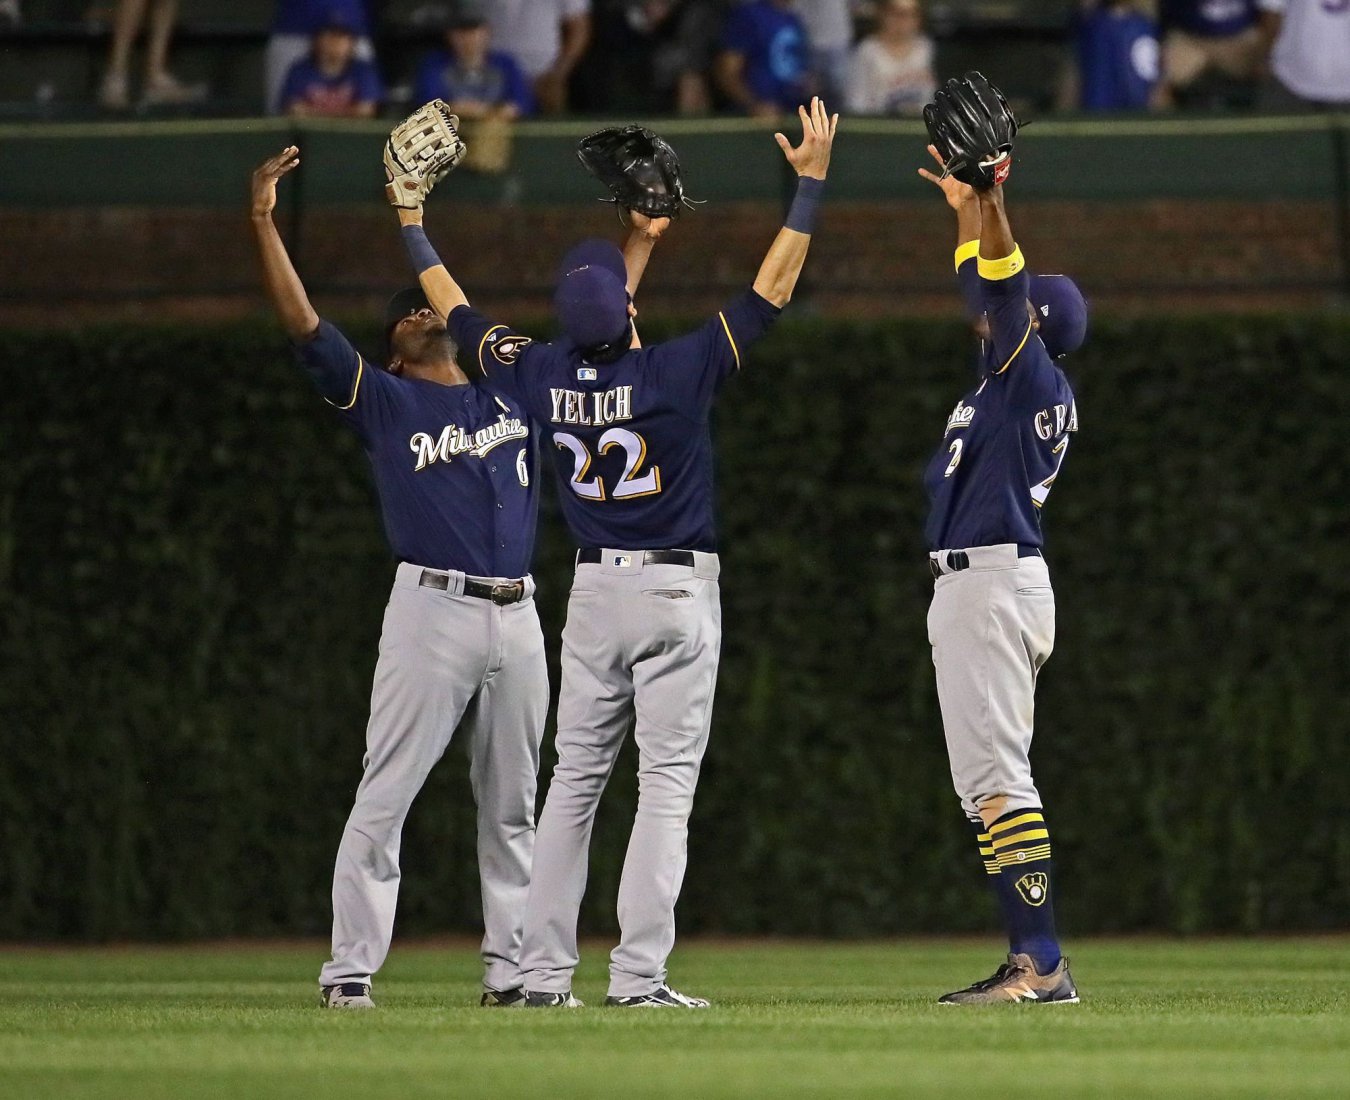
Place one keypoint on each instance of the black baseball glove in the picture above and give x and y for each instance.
(973, 128)
(639, 167)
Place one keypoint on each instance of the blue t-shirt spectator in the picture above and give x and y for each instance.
(308, 16)
(334, 96)
(499, 81)
(772, 41)
(1118, 59)
(1210, 18)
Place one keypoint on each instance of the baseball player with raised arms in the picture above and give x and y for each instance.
(461, 649)
(628, 429)
(992, 619)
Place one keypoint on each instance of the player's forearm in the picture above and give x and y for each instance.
(282, 282)
(996, 237)
(441, 290)
(969, 223)
(637, 250)
(782, 267)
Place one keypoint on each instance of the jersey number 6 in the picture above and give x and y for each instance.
(630, 485)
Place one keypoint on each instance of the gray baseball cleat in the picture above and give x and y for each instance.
(1016, 981)
(661, 997)
(346, 995)
(502, 998)
(551, 1000)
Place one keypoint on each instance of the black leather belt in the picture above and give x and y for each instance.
(500, 594)
(590, 555)
(959, 559)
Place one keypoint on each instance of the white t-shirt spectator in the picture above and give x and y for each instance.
(882, 84)
(1312, 54)
(829, 23)
(531, 30)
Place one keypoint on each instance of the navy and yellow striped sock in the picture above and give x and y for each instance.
(1015, 851)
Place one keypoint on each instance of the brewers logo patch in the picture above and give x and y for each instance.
(506, 348)
(1034, 887)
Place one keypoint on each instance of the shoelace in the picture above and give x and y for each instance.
(1004, 972)
(352, 989)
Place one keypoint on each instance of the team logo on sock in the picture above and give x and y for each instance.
(1034, 887)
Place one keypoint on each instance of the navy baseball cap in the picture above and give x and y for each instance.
(406, 301)
(592, 296)
(1063, 312)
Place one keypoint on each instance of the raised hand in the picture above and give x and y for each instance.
(956, 193)
(651, 228)
(265, 178)
(812, 156)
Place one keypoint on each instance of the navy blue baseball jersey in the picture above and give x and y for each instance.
(1006, 439)
(630, 439)
(455, 466)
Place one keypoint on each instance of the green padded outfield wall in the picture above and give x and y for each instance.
(192, 579)
(204, 163)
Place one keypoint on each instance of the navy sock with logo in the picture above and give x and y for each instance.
(1015, 851)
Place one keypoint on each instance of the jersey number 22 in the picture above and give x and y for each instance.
(631, 484)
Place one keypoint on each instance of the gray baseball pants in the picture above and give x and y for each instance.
(640, 648)
(447, 662)
(992, 627)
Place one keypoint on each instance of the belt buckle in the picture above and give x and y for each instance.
(503, 594)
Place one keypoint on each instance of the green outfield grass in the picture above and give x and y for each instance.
(1215, 1018)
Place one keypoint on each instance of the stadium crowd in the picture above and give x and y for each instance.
(504, 59)
(764, 57)
(519, 57)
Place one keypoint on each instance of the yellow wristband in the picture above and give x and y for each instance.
(1005, 268)
(968, 251)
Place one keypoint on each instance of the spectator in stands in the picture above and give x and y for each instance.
(10, 13)
(476, 81)
(293, 29)
(547, 38)
(829, 40)
(666, 47)
(762, 69)
(1205, 37)
(331, 81)
(161, 87)
(1310, 62)
(892, 70)
(1116, 63)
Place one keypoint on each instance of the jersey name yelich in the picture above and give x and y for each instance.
(592, 409)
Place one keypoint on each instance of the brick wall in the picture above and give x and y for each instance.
(141, 264)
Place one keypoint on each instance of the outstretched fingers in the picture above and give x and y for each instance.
(283, 162)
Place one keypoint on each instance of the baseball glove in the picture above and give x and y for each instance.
(639, 167)
(420, 152)
(972, 126)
